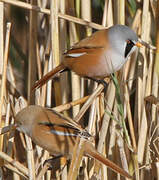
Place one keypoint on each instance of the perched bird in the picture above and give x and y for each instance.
(57, 134)
(99, 55)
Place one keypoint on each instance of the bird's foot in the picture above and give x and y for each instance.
(53, 163)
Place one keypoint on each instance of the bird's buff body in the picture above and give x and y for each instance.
(57, 134)
(99, 55)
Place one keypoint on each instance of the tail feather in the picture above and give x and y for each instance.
(48, 76)
(91, 152)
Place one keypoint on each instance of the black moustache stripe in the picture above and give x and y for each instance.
(128, 48)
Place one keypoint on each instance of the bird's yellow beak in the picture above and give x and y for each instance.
(138, 44)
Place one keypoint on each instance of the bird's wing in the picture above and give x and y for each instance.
(97, 39)
(61, 124)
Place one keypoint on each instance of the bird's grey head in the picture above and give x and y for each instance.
(24, 119)
(122, 39)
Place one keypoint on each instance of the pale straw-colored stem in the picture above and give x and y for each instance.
(1, 35)
(4, 73)
(88, 102)
(15, 163)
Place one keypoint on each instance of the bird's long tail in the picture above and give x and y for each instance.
(91, 152)
(48, 76)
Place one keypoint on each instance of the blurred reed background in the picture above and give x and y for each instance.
(124, 119)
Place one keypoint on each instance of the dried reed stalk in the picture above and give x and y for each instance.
(4, 79)
(32, 54)
(97, 91)
(105, 124)
(74, 38)
(55, 45)
(4, 73)
(77, 157)
(67, 106)
(142, 120)
(15, 171)
(63, 46)
(16, 164)
(1, 35)
(121, 12)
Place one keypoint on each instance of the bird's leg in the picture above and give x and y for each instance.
(100, 81)
(53, 163)
(64, 70)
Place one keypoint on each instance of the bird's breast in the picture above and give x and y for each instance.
(114, 61)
